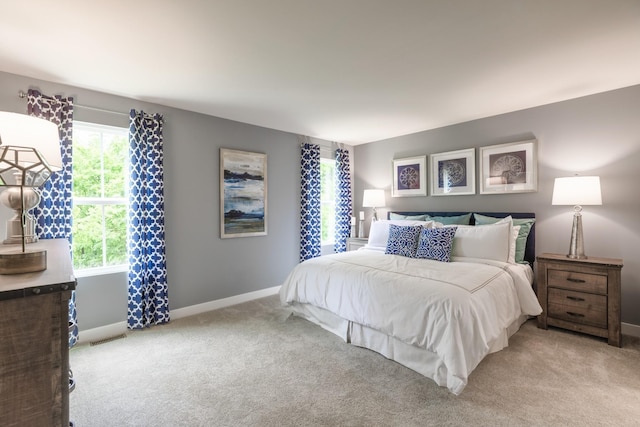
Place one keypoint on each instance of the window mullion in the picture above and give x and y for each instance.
(104, 236)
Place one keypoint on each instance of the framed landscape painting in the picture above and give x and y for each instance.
(410, 177)
(453, 173)
(509, 168)
(243, 193)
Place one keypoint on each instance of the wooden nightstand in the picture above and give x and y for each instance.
(582, 295)
(355, 243)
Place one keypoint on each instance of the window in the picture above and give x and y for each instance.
(100, 164)
(327, 201)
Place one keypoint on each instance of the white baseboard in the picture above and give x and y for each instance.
(221, 303)
(114, 329)
(631, 329)
(119, 328)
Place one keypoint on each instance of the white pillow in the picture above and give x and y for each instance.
(515, 230)
(491, 241)
(379, 231)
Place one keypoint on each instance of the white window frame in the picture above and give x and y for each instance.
(103, 202)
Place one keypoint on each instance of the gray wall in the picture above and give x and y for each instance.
(201, 267)
(599, 135)
(594, 135)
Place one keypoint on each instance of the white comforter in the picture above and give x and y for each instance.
(456, 310)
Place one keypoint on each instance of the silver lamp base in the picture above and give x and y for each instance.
(14, 230)
(576, 246)
(23, 262)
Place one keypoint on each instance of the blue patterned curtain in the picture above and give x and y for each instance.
(343, 200)
(310, 201)
(53, 214)
(148, 302)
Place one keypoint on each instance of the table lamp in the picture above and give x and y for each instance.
(29, 153)
(577, 191)
(373, 199)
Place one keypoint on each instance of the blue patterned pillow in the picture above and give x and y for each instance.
(403, 240)
(436, 243)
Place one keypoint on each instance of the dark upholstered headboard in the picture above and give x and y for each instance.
(530, 248)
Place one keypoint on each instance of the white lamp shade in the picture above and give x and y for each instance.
(21, 130)
(577, 190)
(373, 199)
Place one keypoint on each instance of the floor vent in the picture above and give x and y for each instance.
(102, 341)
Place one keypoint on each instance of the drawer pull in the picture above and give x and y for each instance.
(575, 298)
(570, 313)
(571, 279)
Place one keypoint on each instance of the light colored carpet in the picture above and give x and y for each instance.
(253, 365)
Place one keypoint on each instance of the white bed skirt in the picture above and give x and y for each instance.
(420, 360)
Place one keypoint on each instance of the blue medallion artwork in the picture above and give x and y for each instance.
(409, 177)
(244, 191)
(452, 173)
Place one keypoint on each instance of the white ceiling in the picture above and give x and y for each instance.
(351, 71)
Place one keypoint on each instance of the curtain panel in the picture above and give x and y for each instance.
(343, 200)
(148, 299)
(310, 200)
(53, 213)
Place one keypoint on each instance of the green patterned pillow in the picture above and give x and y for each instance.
(452, 220)
(394, 215)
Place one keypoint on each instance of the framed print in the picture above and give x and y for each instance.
(453, 173)
(243, 194)
(509, 168)
(410, 177)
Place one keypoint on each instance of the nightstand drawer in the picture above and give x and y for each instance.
(578, 307)
(583, 282)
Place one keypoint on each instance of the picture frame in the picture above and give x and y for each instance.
(409, 177)
(509, 168)
(243, 193)
(453, 173)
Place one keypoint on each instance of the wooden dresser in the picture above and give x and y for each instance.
(34, 340)
(582, 295)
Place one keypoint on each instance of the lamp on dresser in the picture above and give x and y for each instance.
(29, 154)
(577, 191)
(373, 199)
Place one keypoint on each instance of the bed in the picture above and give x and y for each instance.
(466, 288)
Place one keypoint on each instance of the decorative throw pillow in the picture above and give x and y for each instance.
(379, 231)
(393, 215)
(489, 241)
(452, 220)
(435, 243)
(515, 230)
(521, 242)
(403, 240)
